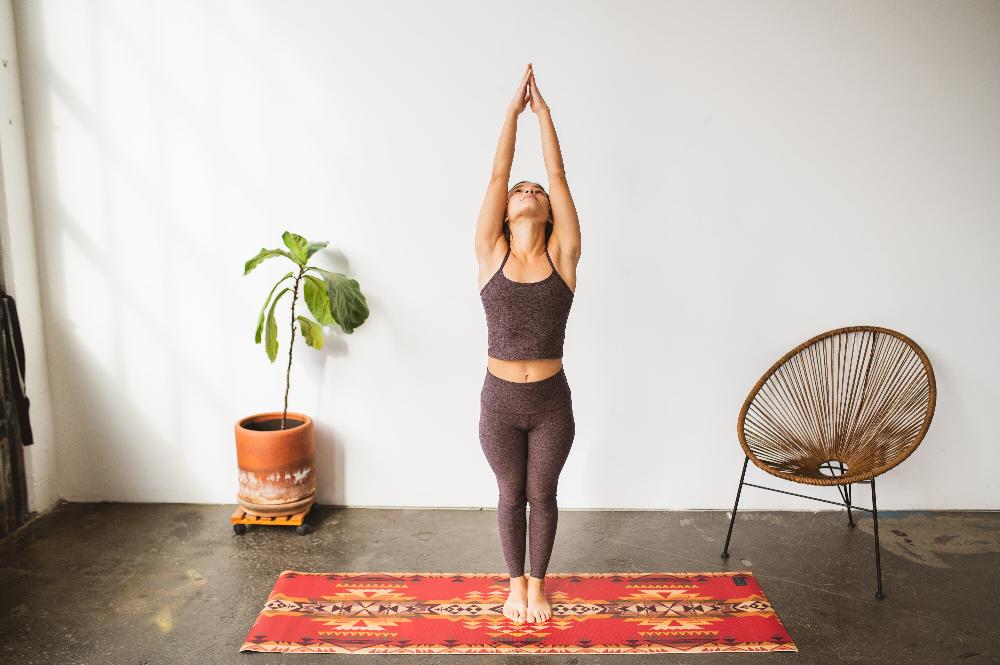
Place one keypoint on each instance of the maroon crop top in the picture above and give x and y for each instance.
(526, 320)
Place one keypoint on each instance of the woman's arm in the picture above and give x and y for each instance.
(565, 223)
(489, 228)
(490, 225)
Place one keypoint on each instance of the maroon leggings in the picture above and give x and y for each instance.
(526, 431)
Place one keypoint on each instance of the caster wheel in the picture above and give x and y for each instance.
(303, 529)
(239, 529)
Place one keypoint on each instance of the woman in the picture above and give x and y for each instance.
(528, 246)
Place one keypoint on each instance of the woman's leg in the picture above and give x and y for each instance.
(504, 439)
(550, 437)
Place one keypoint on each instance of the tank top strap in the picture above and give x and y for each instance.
(549, 257)
(505, 257)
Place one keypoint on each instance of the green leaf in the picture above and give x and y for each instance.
(315, 247)
(263, 308)
(311, 331)
(317, 301)
(271, 337)
(263, 255)
(298, 245)
(317, 269)
(348, 305)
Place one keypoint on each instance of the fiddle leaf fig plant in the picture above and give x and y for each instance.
(331, 297)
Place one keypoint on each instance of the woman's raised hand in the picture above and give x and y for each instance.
(521, 96)
(537, 103)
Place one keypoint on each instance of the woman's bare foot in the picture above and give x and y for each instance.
(516, 606)
(538, 605)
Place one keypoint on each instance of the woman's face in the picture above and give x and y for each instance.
(527, 197)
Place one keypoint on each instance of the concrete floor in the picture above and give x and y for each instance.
(139, 584)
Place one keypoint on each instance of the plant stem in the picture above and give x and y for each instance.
(291, 345)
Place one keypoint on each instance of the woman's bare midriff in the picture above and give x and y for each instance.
(524, 371)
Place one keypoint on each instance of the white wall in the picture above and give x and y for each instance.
(746, 175)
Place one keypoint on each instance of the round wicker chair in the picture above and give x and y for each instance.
(842, 407)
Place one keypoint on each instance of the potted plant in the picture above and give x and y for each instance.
(276, 451)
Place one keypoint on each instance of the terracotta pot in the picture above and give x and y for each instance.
(277, 467)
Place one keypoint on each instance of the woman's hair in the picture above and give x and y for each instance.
(548, 222)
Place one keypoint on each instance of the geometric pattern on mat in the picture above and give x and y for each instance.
(438, 613)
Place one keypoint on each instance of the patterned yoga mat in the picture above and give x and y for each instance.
(378, 612)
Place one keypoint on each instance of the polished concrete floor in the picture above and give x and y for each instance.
(140, 584)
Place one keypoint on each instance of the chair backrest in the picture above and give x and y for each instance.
(862, 395)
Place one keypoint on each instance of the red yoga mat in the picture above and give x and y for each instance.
(379, 612)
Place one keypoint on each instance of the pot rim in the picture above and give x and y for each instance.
(270, 415)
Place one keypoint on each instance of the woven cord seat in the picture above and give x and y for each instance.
(842, 407)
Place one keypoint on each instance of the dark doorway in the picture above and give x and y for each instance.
(15, 429)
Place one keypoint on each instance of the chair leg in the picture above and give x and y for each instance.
(850, 516)
(847, 499)
(878, 559)
(725, 548)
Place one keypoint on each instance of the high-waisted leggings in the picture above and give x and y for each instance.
(526, 430)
